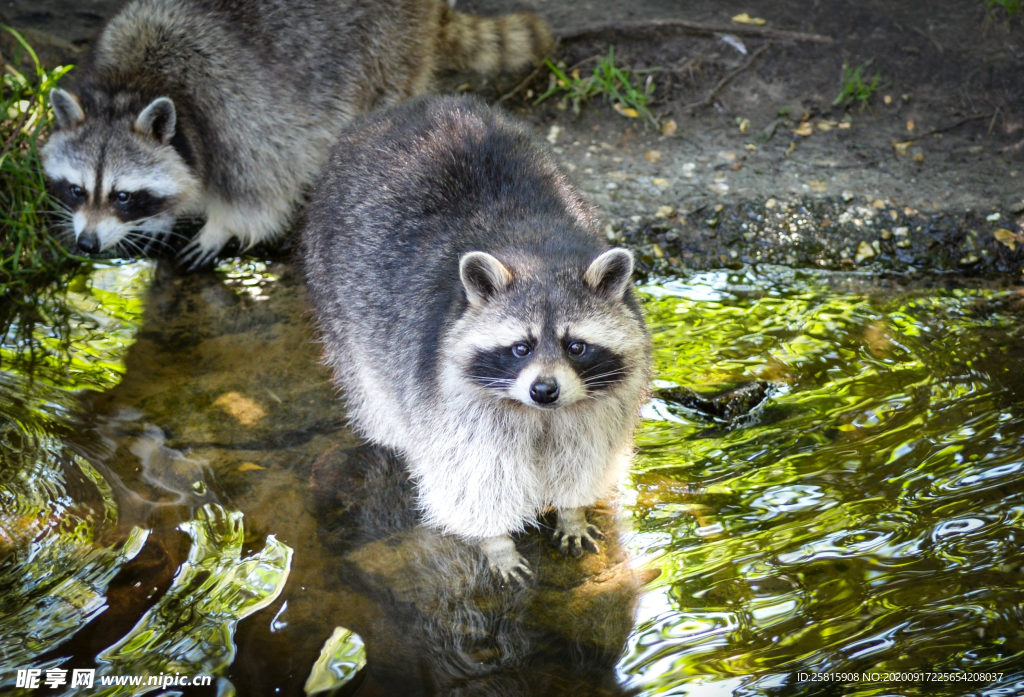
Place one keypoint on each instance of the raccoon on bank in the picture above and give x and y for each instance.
(476, 320)
(228, 109)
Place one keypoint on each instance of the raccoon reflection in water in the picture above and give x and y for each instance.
(427, 609)
(477, 322)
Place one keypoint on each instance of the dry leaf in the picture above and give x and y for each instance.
(845, 125)
(669, 128)
(627, 111)
(791, 148)
(250, 467)
(806, 129)
(660, 182)
(1007, 238)
(244, 410)
(652, 156)
(901, 146)
(744, 125)
(744, 18)
(910, 124)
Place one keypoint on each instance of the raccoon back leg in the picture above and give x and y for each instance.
(573, 533)
(505, 561)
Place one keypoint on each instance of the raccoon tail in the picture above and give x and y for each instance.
(492, 44)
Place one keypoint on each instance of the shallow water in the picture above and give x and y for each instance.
(178, 495)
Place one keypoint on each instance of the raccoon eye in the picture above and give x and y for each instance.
(123, 196)
(577, 348)
(77, 191)
(520, 350)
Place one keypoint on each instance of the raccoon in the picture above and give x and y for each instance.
(476, 321)
(227, 109)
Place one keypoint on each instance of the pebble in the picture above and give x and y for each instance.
(864, 251)
(652, 156)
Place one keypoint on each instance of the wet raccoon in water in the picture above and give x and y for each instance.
(228, 109)
(476, 320)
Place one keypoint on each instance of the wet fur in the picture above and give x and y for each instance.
(260, 90)
(405, 195)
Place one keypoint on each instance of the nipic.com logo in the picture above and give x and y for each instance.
(34, 678)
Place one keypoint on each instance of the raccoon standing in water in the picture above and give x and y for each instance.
(476, 321)
(228, 109)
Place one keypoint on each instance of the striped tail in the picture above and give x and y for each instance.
(491, 45)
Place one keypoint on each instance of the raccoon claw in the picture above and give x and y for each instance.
(195, 255)
(519, 576)
(573, 534)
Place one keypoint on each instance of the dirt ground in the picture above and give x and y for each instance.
(767, 170)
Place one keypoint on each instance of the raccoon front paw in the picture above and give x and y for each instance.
(505, 562)
(573, 533)
(203, 248)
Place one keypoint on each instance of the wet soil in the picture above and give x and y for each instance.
(951, 94)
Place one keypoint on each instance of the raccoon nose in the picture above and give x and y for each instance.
(89, 243)
(544, 391)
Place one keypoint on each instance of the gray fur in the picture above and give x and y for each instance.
(246, 99)
(439, 236)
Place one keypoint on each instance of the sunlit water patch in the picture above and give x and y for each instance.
(63, 538)
(870, 519)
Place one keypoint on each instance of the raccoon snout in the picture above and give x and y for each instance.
(89, 242)
(544, 391)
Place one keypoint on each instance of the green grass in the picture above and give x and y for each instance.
(608, 80)
(29, 253)
(854, 89)
(1012, 8)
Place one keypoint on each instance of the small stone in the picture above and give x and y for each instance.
(660, 182)
(658, 252)
(553, 132)
(719, 208)
(878, 203)
(1017, 207)
(969, 260)
(652, 156)
(847, 196)
(664, 212)
(901, 231)
(864, 251)
(669, 128)
(886, 234)
(770, 203)
(903, 243)
(993, 217)
(887, 99)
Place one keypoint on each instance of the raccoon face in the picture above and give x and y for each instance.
(549, 343)
(117, 177)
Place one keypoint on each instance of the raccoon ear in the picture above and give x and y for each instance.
(611, 273)
(483, 277)
(158, 120)
(66, 109)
